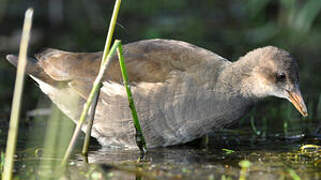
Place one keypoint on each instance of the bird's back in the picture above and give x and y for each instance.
(165, 76)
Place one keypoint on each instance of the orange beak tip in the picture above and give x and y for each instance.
(296, 99)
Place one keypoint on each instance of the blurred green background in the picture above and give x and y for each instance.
(230, 28)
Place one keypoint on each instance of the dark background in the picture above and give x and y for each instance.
(230, 28)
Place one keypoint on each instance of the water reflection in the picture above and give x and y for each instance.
(272, 156)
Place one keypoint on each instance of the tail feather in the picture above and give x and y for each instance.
(12, 59)
(32, 68)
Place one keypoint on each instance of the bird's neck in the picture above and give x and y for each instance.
(235, 78)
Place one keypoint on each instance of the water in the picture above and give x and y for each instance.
(271, 157)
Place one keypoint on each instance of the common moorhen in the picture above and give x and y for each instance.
(181, 91)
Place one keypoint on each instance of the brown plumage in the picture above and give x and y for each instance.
(181, 91)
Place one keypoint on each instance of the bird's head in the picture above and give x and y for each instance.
(273, 72)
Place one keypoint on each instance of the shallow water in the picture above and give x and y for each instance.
(271, 157)
(191, 163)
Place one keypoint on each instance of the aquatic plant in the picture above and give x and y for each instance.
(16, 102)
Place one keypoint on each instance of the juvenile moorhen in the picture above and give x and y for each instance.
(181, 91)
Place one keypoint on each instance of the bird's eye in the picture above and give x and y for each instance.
(280, 76)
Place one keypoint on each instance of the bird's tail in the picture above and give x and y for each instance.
(32, 68)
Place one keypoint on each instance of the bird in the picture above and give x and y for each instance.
(181, 91)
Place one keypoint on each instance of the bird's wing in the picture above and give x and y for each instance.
(146, 61)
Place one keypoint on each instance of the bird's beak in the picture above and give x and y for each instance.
(296, 99)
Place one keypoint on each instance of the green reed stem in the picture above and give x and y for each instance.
(109, 38)
(140, 139)
(111, 28)
(106, 62)
(90, 123)
(15, 109)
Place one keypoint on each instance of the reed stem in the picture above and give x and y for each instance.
(140, 139)
(90, 123)
(111, 28)
(109, 38)
(15, 109)
(106, 62)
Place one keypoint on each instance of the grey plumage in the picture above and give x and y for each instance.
(181, 91)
